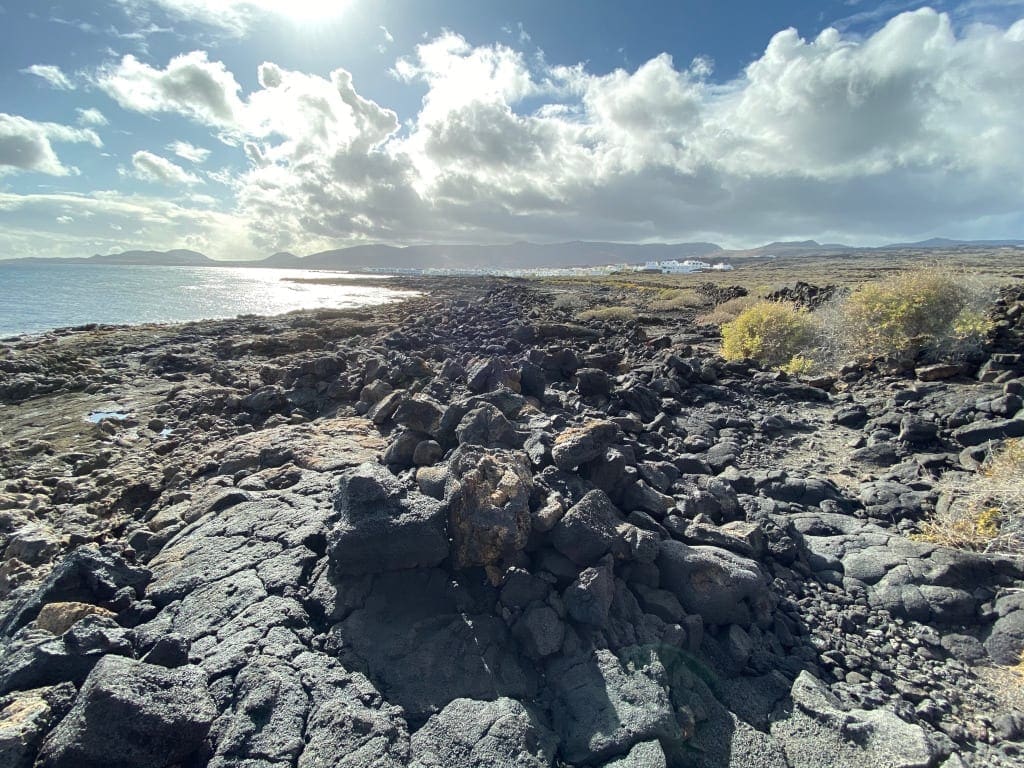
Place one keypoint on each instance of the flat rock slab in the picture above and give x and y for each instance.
(444, 649)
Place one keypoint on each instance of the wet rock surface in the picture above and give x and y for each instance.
(470, 531)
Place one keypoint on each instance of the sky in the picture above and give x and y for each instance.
(240, 128)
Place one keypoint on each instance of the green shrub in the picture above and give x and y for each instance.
(605, 314)
(772, 332)
(902, 317)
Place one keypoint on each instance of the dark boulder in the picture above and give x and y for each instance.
(578, 445)
(379, 529)
(132, 715)
(588, 529)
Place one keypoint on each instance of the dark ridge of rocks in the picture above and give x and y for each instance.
(468, 531)
(804, 294)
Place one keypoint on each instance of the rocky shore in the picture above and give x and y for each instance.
(468, 530)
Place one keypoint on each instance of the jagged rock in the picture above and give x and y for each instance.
(589, 598)
(36, 658)
(486, 426)
(489, 510)
(719, 585)
(379, 530)
(481, 734)
(419, 414)
(588, 529)
(32, 545)
(579, 445)
(86, 575)
(540, 630)
(648, 754)
(26, 717)
(58, 618)
(593, 381)
(132, 715)
(448, 647)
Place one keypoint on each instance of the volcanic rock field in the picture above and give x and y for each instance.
(468, 530)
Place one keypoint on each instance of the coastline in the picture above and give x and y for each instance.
(470, 506)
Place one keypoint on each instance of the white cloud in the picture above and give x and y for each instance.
(26, 145)
(388, 37)
(51, 74)
(189, 152)
(191, 85)
(912, 130)
(237, 17)
(150, 167)
(91, 116)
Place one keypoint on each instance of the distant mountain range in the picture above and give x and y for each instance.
(520, 255)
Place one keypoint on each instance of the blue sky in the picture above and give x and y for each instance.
(243, 127)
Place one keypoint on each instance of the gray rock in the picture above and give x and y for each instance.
(593, 381)
(979, 432)
(486, 426)
(720, 586)
(379, 531)
(482, 734)
(648, 754)
(446, 650)
(25, 718)
(820, 732)
(588, 529)
(1005, 641)
(589, 598)
(37, 658)
(427, 453)
(132, 715)
(603, 706)
(540, 630)
(420, 414)
(578, 445)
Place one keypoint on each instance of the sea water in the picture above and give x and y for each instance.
(37, 297)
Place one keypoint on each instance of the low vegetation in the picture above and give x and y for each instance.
(919, 314)
(606, 314)
(772, 332)
(914, 314)
(983, 511)
(674, 300)
(727, 311)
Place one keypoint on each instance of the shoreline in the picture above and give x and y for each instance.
(470, 506)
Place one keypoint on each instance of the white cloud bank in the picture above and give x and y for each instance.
(911, 131)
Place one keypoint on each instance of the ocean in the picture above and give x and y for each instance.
(38, 297)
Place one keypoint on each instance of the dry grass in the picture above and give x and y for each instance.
(983, 512)
(674, 300)
(727, 311)
(606, 314)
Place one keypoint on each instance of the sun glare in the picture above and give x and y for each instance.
(307, 10)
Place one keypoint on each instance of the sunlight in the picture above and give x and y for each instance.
(306, 10)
